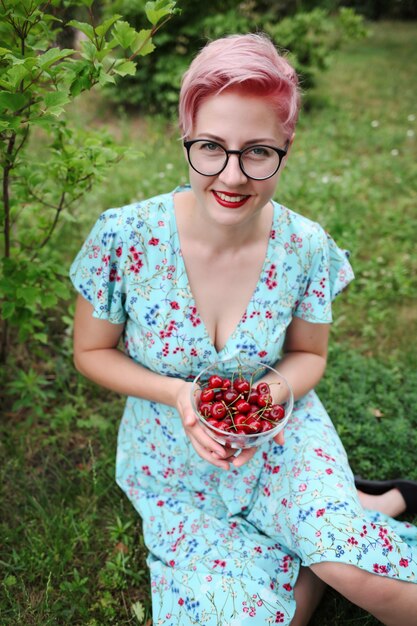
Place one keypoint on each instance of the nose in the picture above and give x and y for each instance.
(232, 174)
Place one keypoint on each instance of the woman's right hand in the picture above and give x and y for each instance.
(203, 444)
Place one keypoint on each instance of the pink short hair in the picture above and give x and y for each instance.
(249, 64)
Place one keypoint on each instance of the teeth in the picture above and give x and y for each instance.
(223, 196)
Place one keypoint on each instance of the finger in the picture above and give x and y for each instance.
(207, 442)
(209, 455)
(279, 438)
(229, 452)
(244, 456)
(189, 420)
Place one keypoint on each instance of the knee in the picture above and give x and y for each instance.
(359, 586)
(308, 592)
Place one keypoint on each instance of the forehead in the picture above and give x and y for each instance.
(236, 118)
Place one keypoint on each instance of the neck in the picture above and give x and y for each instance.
(207, 233)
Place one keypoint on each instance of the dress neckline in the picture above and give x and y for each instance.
(226, 347)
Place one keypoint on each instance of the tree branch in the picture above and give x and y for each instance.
(53, 225)
(8, 165)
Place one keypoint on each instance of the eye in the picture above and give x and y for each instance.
(259, 152)
(210, 146)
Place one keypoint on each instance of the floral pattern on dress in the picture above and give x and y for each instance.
(225, 547)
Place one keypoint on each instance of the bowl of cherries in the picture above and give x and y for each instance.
(244, 409)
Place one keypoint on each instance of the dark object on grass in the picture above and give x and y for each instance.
(407, 488)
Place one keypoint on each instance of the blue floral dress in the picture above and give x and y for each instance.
(225, 547)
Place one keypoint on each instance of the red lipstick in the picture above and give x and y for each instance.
(230, 200)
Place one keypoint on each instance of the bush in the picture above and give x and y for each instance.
(177, 45)
(310, 37)
(42, 185)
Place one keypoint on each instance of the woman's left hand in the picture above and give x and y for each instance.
(246, 454)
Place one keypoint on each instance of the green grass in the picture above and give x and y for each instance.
(355, 170)
(71, 548)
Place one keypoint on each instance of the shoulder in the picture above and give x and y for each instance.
(296, 227)
(138, 213)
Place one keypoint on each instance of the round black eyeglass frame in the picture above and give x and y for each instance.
(281, 154)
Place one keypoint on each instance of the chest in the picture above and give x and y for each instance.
(222, 287)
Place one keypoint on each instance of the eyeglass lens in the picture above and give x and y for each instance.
(209, 158)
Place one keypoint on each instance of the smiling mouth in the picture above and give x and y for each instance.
(230, 200)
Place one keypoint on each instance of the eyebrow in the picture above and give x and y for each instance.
(251, 142)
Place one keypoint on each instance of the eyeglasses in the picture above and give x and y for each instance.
(258, 162)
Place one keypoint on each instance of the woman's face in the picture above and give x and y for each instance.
(236, 122)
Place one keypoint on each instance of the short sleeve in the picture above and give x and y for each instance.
(330, 272)
(97, 272)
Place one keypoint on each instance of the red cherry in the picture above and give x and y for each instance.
(264, 399)
(226, 383)
(263, 387)
(224, 425)
(248, 425)
(218, 410)
(215, 381)
(253, 425)
(241, 385)
(205, 409)
(239, 419)
(265, 426)
(230, 395)
(277, 412)
(242, 406)
(253, 397)
(207, 395)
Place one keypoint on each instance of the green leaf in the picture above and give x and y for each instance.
(8, 309)
(143, 43)
(10, 581)
(102, 29)
(29, 295)
(124, 34)
(44, 121)
(156, 11)
(61, 289)
(54, 102)
(126, 68)
(48, 299)
(6, 85)
(41, 338)
(106, 50)
(52, 56)
(138, 611)
(94, 421)
(85, 28)
(17, 73)
(12, 101)
(89, 51)
(106, 79)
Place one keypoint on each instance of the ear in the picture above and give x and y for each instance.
(289, 146)
(291, 141)
(184, 150)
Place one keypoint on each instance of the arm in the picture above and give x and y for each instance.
(97, 356)
(305, 355)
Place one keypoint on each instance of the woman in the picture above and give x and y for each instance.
(200, 275)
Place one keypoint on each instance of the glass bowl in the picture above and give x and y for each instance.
(244, 409)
